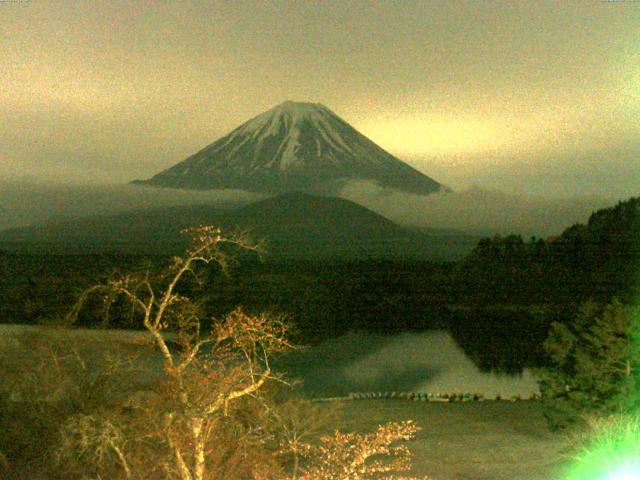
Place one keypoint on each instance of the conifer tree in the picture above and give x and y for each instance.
(594, 364)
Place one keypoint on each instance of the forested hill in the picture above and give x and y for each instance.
(597, 260)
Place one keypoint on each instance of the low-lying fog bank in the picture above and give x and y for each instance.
(473, 210)
(478, 210)
(28, 203)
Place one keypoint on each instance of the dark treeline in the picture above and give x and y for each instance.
(591, 261)
(322, 299)
(508, 291)
(40, 288)
(498, 302)
(327, 299)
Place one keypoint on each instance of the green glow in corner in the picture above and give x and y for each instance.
(611, 448)
(625, 472)
(613, 453)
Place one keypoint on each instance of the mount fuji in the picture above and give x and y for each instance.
(293, 146)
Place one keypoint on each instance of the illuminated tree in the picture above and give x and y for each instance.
(607, 449)
(354, 456)
(595, 364)
(210, 415)
(212, 367)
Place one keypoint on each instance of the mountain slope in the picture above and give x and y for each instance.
(293, 146)
(293, 225)
(301, 225)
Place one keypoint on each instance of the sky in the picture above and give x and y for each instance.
(527, 97)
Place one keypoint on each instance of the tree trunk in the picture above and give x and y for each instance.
(123, 461)
(296, 465)
(185, 474)
(198, 447)
(182, 466)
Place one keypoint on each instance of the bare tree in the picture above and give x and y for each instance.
(95, 439)
(295, 423)
(208, 378)
(216, 363)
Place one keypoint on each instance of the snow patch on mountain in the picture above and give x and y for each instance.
(293, 146)
(288, 117)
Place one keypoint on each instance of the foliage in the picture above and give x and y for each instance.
(375, 295)
(595, 364)
(218, 362)
(294, 423)
(50, 377)
(93, 440)
(503, 338)
(597, 260)
(91, 407)
(381, 296)
(355, 456)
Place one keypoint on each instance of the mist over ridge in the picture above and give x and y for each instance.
(27, 202)
(475, 210)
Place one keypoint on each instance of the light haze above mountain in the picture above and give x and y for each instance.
(293, 146)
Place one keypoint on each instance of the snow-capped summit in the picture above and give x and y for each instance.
(293, 146)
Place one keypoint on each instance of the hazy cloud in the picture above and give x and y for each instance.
(25, 202)
(477, 210)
